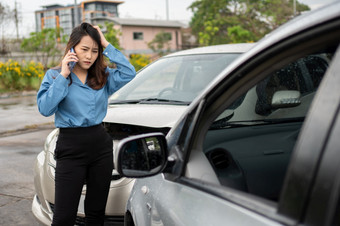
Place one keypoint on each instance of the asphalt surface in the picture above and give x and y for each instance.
(19, 113)
(17, 156)
(22, 134)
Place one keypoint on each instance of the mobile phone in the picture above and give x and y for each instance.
(72, 64)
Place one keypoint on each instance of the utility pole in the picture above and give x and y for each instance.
(167, 9)
(76, 14)
(294, 6)
(16, 18)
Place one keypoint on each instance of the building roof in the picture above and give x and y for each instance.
(109, 1)
(143, 22)
(54, 6)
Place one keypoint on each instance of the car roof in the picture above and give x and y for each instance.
(224, 48)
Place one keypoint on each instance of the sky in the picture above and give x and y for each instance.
(145, 9)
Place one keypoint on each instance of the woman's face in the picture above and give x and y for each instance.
(87, 52)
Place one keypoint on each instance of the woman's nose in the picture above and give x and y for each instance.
(88, 55)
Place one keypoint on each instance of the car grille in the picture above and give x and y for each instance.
(108, 221)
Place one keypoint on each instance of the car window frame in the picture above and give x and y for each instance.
(325, 194)
(233, 86)
(324, 197)
(300, 177)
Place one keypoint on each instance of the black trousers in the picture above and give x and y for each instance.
(84, 155)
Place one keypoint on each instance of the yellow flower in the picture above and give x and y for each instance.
(17, 70)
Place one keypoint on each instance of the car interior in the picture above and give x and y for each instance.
(249, 145)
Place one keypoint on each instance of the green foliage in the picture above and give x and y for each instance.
(233, 21)
(43, 44)
(161, 43)
(139, 61)
(15, 76)
(238, 34)
(112, 34)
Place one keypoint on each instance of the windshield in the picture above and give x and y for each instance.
(173, 80)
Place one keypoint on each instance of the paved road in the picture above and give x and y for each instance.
(17, 156)
(22, 134)
(21, 113)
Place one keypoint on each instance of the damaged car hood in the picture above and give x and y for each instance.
(149, 115)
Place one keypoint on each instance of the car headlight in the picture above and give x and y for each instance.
(49, 139)
(51, 164)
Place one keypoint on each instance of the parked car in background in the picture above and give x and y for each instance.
(260, 146)
(152, 102)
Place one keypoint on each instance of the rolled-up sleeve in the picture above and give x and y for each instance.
(121, 75)
(53, 90)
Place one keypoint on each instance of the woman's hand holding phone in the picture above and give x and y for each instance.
(68, 63)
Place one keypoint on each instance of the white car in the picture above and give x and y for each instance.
(152, 102)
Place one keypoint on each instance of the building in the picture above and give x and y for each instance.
(137, 33)
(67, 17)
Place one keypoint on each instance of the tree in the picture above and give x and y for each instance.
(44, 44)
(232, 21)
(6, 15)
(111, 34)
(161, 43)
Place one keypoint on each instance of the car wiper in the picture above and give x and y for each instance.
(124, 101)
(150, 101)
(163, 101)
(225, 124)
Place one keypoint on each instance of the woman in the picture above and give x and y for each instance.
(79, 100)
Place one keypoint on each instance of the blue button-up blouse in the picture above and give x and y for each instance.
(78, 105)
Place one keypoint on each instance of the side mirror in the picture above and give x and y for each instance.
(142, 155)
(286, 99)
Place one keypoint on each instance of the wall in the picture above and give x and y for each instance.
(140, 46)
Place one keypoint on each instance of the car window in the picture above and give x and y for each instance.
(250, 143)
(179, 78)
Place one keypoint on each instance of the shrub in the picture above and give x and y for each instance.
(139, 61)
(15, 76)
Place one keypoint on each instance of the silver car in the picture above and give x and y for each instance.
(259, 146)
(152, 102)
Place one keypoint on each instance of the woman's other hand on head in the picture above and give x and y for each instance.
(103, 40)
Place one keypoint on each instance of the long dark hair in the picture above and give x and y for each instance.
(96, 77)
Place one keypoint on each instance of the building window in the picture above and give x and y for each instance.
(137, 35)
